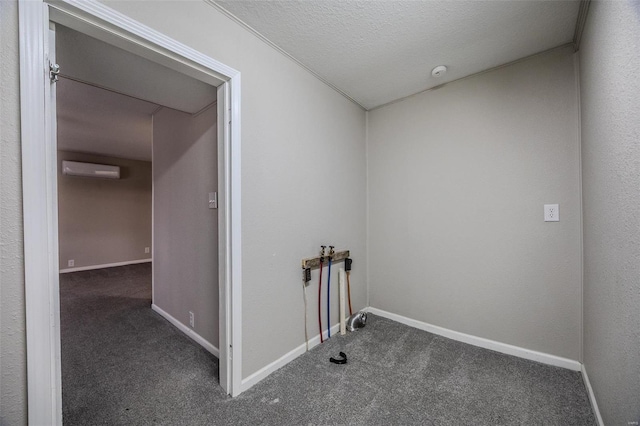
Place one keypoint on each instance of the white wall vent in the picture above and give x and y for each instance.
(74, 168)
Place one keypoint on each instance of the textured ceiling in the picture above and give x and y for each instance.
(380, 51)
(101, 122)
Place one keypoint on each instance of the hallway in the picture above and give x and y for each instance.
(121, 361)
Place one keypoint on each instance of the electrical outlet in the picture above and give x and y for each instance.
(551, 213)
(146, 249)
(192, 319)
(71, 263)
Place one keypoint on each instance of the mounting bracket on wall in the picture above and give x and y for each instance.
(314, 262)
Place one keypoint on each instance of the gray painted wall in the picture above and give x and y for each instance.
(303, 174)
(185, 236)
(303, 166)
(13, 374)
(610, 93)
(458, 177)
(103, 221)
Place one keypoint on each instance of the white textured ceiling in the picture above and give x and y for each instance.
(101, 122)
(380, 51)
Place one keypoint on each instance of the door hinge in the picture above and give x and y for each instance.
(54, 70)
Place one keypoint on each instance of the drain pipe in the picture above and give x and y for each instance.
(320, 293)
(306, 277)
(331, 252)
(341, 280)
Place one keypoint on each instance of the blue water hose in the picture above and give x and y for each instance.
(329, 300)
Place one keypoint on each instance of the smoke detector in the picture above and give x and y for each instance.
(439, 71)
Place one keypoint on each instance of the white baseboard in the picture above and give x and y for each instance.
(106, 265)
(482, 342)
(285, 359)
(541, 357)
(592, 397)
(189, 332)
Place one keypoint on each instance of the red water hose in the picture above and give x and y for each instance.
(319, 303)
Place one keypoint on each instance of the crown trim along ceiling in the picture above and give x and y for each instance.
(376, 52)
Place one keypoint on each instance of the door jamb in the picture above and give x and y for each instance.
(39, 193)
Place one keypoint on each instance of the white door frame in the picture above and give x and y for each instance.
(39, 189)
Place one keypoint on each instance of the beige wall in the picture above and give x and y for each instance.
(185, 240)
(103, 221)
(610, 93)
(303, 180)
(505, 144)
(295, 130)
(303, 173)
(458, 177)
(13, 375)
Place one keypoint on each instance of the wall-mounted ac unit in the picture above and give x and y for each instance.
(74, 168)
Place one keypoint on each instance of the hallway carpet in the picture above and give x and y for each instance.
(123, 364)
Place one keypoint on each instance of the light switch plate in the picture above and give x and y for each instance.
(551, 213)
(213, 200)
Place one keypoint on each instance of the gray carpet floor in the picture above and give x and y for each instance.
(122, 364)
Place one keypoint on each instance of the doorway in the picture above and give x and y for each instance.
(121, 321)
(40, 184)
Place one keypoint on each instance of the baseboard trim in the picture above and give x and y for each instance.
(265, 371)
(186, 330)
(106, 265)
(592, 397)
(482, 342)
(253, 379)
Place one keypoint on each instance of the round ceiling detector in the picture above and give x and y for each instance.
(439, 71)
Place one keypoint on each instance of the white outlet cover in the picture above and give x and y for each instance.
(551, 213)
(71, 263)
(146, 249)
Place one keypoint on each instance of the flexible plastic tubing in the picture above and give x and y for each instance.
(320, 303)
(349, 293)
(329, 301)
(306, 333)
